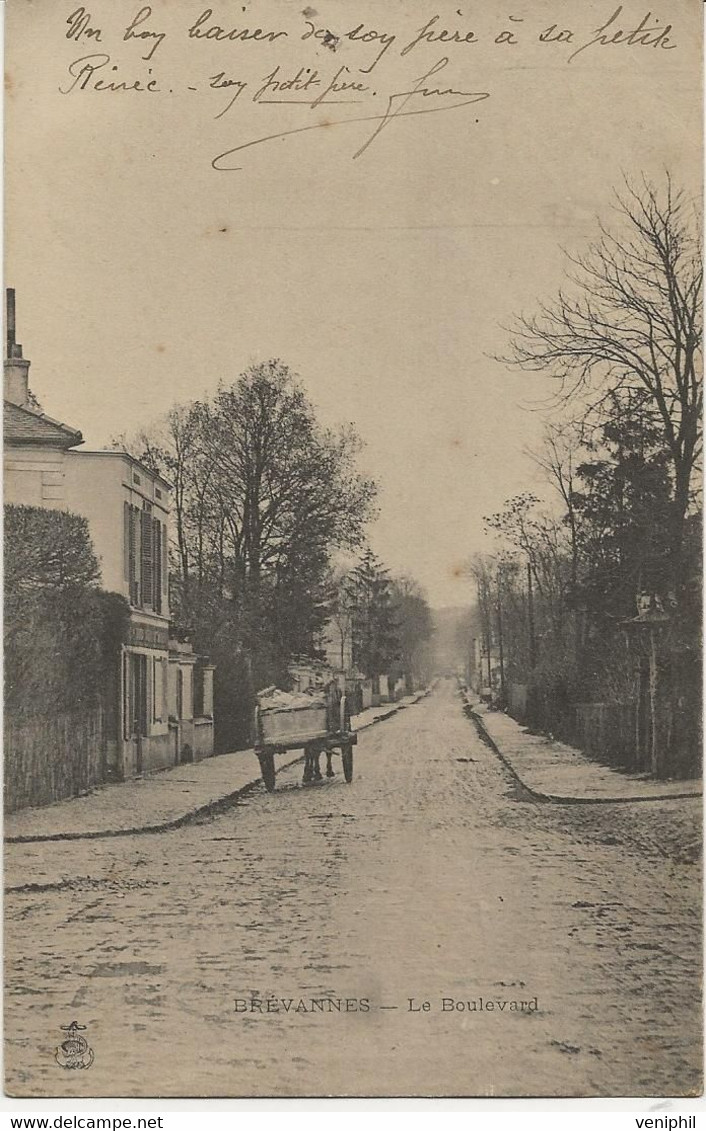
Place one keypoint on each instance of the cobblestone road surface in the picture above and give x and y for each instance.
(428, 878)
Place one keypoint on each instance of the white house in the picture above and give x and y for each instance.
(128, 511)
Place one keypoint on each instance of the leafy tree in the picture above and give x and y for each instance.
(263, 496)
(622, 499)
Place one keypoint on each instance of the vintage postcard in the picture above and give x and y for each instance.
(352, 466)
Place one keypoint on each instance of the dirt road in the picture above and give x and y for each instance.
(430, 879)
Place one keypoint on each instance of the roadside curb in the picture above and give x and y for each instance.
(485, 737)
(210, 809)
(397, 707)
(551, 798)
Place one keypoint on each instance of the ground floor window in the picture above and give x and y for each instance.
(160, 675)
(135, 695)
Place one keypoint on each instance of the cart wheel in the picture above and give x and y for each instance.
(267, 768)
(347, 759)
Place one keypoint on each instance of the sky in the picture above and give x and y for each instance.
(144, 276)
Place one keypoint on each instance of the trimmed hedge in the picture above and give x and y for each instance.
(63, 640)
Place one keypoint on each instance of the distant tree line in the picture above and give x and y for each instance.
(386, 621)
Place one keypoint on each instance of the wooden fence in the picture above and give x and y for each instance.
(606, 732)
(517, 705)
(50, 759)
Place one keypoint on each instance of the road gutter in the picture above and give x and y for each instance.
(556, 799)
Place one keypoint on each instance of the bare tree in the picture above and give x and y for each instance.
(481, 569)
(632, 321)
(173, 447)
(342, 608)
(557, 458)
(414, 627)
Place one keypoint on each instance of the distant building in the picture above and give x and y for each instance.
(162, 685)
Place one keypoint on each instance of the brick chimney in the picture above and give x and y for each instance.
(16, 386)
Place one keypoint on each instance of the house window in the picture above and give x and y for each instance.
(145, 557)
(180, 694)
(143, 552)
(157, 689)
(136, 478)
(135, 695)
(198, 691)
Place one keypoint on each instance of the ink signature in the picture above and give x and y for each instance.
(396, 108)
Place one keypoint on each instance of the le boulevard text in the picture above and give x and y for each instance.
(267, 1005)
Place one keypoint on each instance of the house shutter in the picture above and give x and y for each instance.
(133, 552)
(165, 564)
(146, 557)
(157, 563)
(126, 542)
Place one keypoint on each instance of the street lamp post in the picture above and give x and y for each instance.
(648, 629)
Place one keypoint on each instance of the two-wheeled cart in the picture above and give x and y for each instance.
(322, 726)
